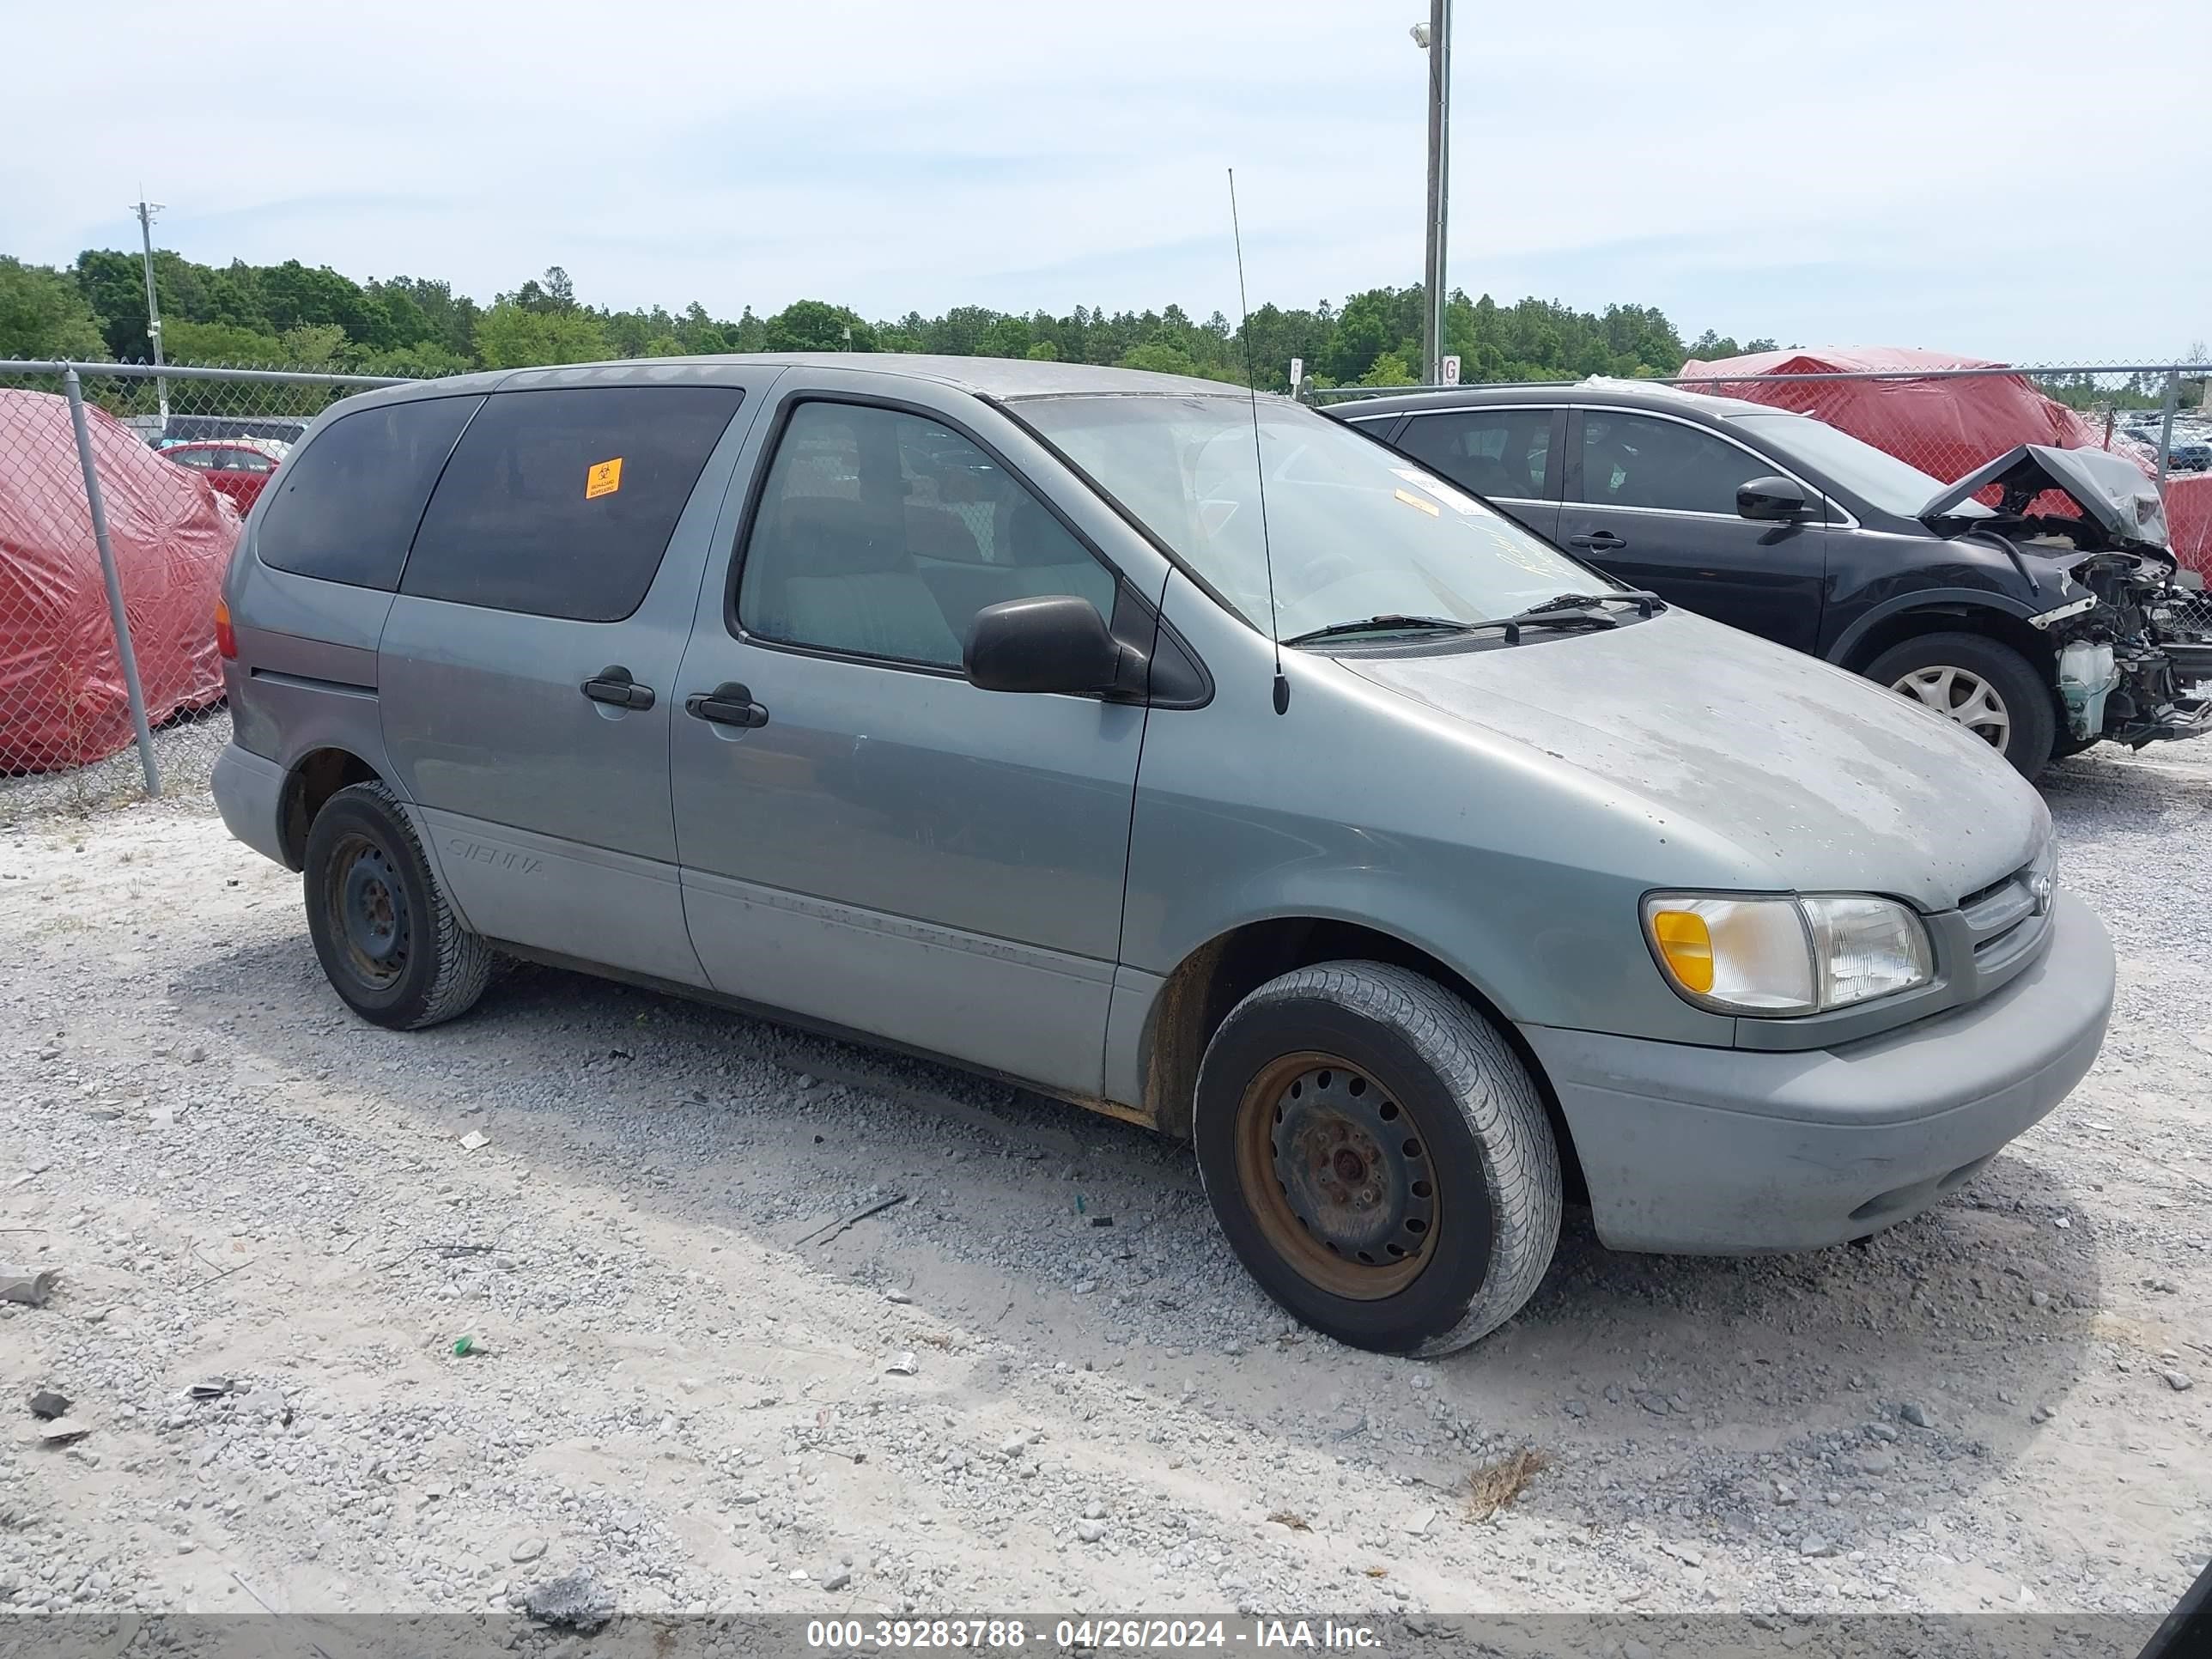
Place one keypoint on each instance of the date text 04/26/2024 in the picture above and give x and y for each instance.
(1106, 1634)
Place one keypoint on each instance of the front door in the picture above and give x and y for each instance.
(867, 840)
(1651, 500)
(527, 671)
(1509, 455)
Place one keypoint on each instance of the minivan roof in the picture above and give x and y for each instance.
(989, 377)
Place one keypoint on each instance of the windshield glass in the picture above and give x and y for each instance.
(1355, 529)
(1876, 476)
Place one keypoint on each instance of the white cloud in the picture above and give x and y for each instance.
(2012, 178)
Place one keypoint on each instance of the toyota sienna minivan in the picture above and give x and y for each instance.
(1197, 760)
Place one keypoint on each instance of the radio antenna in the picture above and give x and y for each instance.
(1258, 462)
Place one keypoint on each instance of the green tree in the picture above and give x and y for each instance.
(1163, 359)
(817, 326)
(1389, 369)
(509, 336)
(313, 346)
(209, 344)
(297, 296)
(44, 315)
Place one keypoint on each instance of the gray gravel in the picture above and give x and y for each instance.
(980, 1396)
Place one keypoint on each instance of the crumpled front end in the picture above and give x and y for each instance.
(2131, 631)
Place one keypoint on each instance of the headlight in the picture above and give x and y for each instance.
(1785, 956)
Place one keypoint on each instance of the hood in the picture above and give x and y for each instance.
(2110, 491)
(1763, 767)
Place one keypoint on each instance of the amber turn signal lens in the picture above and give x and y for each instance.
(1687, 944)
(226, 641)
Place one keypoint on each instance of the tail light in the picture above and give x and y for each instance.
(226, 640)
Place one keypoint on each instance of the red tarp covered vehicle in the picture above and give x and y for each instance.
(1948, 427)
(62, 697)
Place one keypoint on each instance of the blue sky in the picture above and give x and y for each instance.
(2022, 180)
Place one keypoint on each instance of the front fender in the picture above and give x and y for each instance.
(1968, 599)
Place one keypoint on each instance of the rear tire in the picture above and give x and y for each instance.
(1984, 685)
(1378, 1157)
(388, 943)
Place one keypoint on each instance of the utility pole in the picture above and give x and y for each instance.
(146, 211)
(1434, 37)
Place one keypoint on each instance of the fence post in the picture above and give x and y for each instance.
(115, 582)
(2165, 407)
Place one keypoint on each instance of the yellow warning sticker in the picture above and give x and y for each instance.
(604, 479)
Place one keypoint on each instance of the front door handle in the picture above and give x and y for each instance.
(1598, 541)
(612, 686)
(728, 704)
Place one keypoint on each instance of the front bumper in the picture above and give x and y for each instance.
(249, 792)
(1724, 1151)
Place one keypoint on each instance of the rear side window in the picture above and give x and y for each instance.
(344, 508)
(1492, 451)
(560, 503)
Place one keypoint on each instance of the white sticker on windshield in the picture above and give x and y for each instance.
(1456, 500)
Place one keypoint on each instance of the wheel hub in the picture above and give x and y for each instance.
(1352, 1171)
(370, 908)
(1963, 695)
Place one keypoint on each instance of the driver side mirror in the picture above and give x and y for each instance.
(1052, 642)
(1775, 499)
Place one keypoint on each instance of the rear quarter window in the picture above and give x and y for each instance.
(561, 503)
(345, 506)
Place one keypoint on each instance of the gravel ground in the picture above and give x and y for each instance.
(1037, 1380)
(185, 753)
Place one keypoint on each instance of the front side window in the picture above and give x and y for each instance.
(1355, 529)
(344, 508)
(561, 503)
(1492, 451)
(1639, 460)
(880, 533)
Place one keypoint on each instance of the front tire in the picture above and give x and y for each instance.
(1984, 685)
(388, 943)
(1378, 1157)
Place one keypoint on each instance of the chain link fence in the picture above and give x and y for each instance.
(121, 492)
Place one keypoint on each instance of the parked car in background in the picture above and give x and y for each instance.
(1199, 761)
(2186, 454)
(239, 467)
(2039, 631)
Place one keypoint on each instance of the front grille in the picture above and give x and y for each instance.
(2005, 921)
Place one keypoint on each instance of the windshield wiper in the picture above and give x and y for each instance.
(1574, 604)
(1389, 623)
(1567, 610)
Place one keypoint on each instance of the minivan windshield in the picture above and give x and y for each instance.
(1355, 531)
(1875, 476)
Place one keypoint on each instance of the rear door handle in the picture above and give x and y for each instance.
(1598, 541)
(613, 685)
(728, 704)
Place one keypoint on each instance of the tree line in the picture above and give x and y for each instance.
(297, 316)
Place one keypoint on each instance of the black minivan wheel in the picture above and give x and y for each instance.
(390, 945)
(1982, 683)
(1378, 1157)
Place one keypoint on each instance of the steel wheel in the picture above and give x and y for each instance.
(369, 901)
(1341, 1179)
(1963, 695)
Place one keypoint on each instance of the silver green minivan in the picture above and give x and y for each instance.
(1202, 763)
